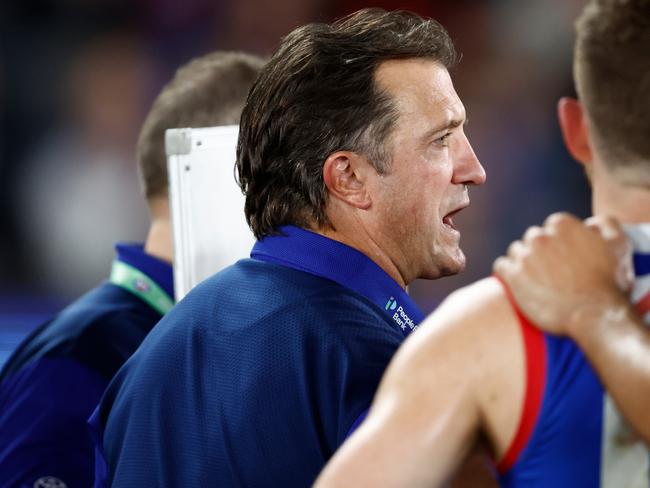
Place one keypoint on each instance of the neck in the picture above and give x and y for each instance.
(627, 203)
(159, 240)
(355, 235)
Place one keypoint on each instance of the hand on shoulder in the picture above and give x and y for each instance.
(567, 268)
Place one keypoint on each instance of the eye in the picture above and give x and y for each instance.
(444, 140)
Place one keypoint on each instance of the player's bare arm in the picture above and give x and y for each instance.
(457, 382)
(572, 279)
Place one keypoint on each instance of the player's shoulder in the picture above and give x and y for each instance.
(107, 312)
(106, 304)
(482, 307)
(475, 323)
(473, 339)
(487, 293)
(98, 330)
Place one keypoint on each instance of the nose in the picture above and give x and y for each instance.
(467, 167)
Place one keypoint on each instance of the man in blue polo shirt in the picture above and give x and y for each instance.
(55, 378)
(353, 160)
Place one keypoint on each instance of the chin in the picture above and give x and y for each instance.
(447, 265)
(453, 270)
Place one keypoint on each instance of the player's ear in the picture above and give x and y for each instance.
(575, 131)
(344, 176)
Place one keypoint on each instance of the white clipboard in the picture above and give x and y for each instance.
(207, 207)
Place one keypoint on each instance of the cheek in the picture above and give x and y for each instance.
(433, 189)
(416, 195)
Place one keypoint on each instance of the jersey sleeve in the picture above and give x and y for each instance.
(43, 432)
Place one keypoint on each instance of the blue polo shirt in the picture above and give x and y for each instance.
(259, 373)
(55, 378)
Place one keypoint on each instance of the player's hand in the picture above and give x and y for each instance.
(567, 267)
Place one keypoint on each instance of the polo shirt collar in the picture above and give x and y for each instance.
(158, 270)
(316, 254)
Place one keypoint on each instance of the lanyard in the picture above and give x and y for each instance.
(138, 283)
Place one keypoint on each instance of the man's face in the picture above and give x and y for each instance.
(432, 164)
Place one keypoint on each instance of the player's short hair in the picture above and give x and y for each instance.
(208, 91)
(317, 95)
(612, 72)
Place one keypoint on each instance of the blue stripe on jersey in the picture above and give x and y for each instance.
(641, 264)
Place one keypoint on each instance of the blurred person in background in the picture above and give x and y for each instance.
(353, 160)
(480, 370)
(55, 378)
(79, 189)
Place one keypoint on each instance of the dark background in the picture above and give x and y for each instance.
(78, 76)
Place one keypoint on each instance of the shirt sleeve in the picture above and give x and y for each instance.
(44, 408)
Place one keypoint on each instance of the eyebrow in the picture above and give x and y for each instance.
(452, 124)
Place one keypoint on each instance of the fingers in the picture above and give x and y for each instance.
(560, 221)
(562, 235)
(537, 247)
(502, 266)
(609, 228)
(507, 269)
(613, 233)
(518, 255)
(534, 233)
(563, 264)
(563, 225)
(516, 249)
(569, 226)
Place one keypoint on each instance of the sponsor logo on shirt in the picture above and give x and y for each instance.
(400, 316)
(391, 304)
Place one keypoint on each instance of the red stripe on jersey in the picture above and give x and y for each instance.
(643, 305)
(535, 352)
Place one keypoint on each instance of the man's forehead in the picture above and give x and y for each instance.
(420, 84)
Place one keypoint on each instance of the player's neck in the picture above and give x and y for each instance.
(629, 204)
(159, 240)
(620, 191)
(159, 237)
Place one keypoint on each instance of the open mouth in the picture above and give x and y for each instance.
(448, 219)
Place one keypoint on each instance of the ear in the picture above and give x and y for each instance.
(573, 123)
(343, 174)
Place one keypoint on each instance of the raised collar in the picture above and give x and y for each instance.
(318, 255)
(158, 270)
